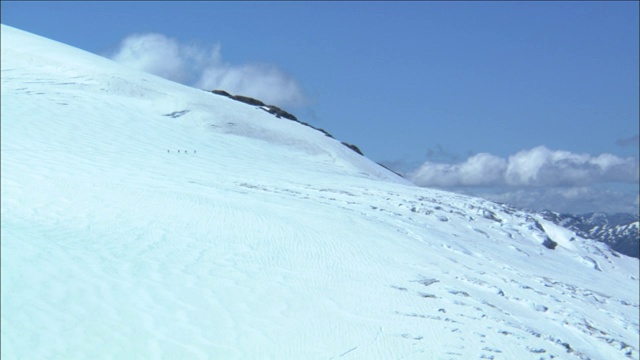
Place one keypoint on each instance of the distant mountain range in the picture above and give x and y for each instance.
(620, 231)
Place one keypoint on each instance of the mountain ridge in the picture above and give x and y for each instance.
(279, 113)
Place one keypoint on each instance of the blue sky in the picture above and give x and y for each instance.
(531, 103)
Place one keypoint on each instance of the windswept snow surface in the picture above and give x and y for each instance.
(145, 219)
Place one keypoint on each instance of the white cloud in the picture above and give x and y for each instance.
(203, 67)
(540, 179)
(543, 167)
(153, 53)
(263, 82)
(479, 170)
(537, 167)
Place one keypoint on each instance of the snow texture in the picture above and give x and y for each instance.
(146, 219)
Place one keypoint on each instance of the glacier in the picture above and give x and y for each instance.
(145, 219)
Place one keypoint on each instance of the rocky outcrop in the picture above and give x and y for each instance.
(279, 113)
(248, 100)
(271, 109)
(222, 92)
(352, 147)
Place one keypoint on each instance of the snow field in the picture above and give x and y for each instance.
(266, 239)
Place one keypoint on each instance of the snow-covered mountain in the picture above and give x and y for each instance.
(619, 231)
(145, 219)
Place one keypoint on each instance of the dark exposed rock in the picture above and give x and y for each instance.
(279, 113)
(248, 100)
(549, 244)
(244, 99)
(391, 170)
(222, 92)
(352, 147)
(272, 109)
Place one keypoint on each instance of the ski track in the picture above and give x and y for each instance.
(261, 238)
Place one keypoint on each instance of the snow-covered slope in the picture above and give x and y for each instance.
(145, 219)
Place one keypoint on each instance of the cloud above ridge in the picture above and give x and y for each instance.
(540, 179)
(537, 167)
(203, 67)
